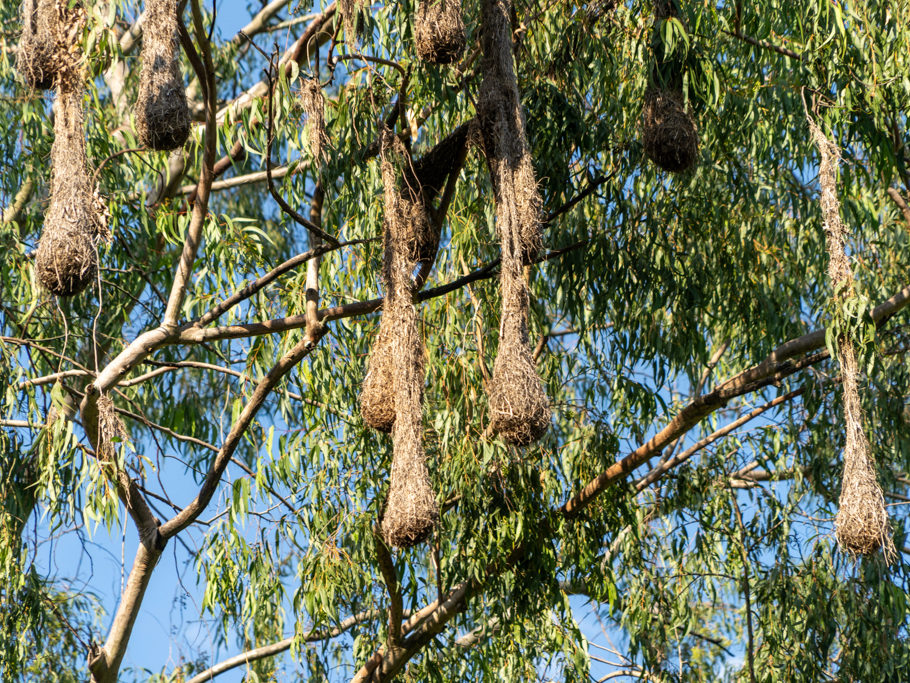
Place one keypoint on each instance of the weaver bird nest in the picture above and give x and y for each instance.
(162, 113)
(668, 131)
(439, 31)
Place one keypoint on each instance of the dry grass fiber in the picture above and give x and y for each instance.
(410, 513)
(668, 131)
(861, 525)
(162, 113)
(439, 31)
(36, 61)
(313, 102)
(519, 407)
(67, 257)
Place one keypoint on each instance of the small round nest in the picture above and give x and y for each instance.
(668, 131)
(439, 31)
(36, 56)
(162, 113)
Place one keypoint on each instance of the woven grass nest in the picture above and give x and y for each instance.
(50, 43)
(162, 113)
(519, 407)
(861, 525)
(67, 258)
(313, 102)
(439, 31)
(668, 131)
(36, 58)
(396, 372)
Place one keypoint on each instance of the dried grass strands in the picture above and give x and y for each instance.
(67, 258)
(520, 410)
(439, 31)
(350, 20)
(36, 61)
(162, 113)
(313, 102)
(861, 525)
(505, 140)
(668, 131)
(410, 513)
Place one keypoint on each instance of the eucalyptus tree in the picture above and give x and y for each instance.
(683, 324)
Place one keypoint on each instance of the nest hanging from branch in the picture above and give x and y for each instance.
(668, 131)
(67, 257)
(861, 525)
(410, 513)
(36, 58)
(162, 113)
(439, 31)
(313, 102)
(519, 408)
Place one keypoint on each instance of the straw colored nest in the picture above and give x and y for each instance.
(668, 131)
(66, 262)
(313, 102)
(377, 395)
(519, 407)
(162, 113)
(504, 135)
(439, 31)
(36, 58)
(411, 513)
(67, 258)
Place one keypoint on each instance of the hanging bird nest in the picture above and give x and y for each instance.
(162, 113)
(313, 102)
(111, 430)
(439, 31)
(410, 513)
(67, 258)
(505, 141)
(861, 525)
(519, 408)
(668, 131)
(377, 395)
(36, 56)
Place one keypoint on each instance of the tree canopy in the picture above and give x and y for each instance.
(200, 399)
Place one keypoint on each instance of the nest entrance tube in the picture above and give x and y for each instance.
(861, 525)
(410, 514)
(67, 258)
(162, 113)
(519, 407)
(37, 60)
(439, 31)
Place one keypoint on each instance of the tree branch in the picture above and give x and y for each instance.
(223, 457)
(775, 367)
(282, 646)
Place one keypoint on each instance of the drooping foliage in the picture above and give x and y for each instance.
(686, 489)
